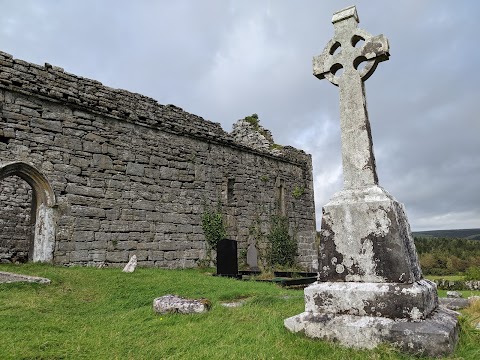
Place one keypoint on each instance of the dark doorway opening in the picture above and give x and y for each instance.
(17, 220)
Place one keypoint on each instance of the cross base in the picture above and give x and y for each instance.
(434, 336)
(391, 300)
(365, 237)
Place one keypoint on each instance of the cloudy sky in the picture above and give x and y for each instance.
(224, 60)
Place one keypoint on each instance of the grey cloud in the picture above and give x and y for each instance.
(224, 60)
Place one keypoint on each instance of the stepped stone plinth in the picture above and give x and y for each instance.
(370, 288)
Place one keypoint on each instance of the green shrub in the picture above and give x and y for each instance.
(282, 248)
(276, 147)
(447, 256)
(298, 191)
(213, 227)
(253, 120)
(473, 273)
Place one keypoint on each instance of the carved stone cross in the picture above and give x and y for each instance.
(370, 288)
(349, 59)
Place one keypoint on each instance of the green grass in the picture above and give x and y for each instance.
(445, 277)
(88, 313)
(465, 293)
(454, 233)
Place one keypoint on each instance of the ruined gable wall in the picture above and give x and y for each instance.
(132, 176)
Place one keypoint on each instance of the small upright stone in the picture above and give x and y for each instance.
(132, 264)
(252, 257)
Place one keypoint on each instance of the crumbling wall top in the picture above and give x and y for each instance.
(54, 84)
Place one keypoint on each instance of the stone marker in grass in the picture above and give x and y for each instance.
(370, 288)
(131, 265)
(227, 258)
(8, 277)
(176, 304)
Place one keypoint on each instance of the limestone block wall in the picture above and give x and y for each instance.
(15, 225)
(131, 176)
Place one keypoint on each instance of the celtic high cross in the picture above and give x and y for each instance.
(349, 59)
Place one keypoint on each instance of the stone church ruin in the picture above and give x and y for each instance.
(92, 175)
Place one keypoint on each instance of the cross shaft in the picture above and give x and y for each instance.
(343, 53)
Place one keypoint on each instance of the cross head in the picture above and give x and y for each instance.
(348, 60)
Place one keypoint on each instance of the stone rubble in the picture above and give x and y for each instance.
(256, 137)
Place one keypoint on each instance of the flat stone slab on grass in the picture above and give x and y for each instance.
(231, 304)
(176, 304)
(7, 277)
(234, 303)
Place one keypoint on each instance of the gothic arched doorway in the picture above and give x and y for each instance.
(42, 203)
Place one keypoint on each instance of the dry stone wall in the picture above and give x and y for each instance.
(15, 209)
(131, 176)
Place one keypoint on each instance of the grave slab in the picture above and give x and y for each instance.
(177, 304)
(8, 277)
(252, 257)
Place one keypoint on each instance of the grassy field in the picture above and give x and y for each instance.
(473, 234)
(88, 313)
(445, 277)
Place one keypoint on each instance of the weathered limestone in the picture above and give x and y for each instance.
(254, 136)
(42, 207)
(117, 173)
(340, 53)
(176, 304)
(434, 336)
(15, 237)
(370, 287)
(457, 284)
(7, 277)
(361, 226)
(454, 303)
(454, 294)
(252, 257)
(392, 300)
(131, 265)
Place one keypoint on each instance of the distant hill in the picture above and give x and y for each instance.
(472, 234)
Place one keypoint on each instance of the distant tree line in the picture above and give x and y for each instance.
(472, 234)
(444, 256)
